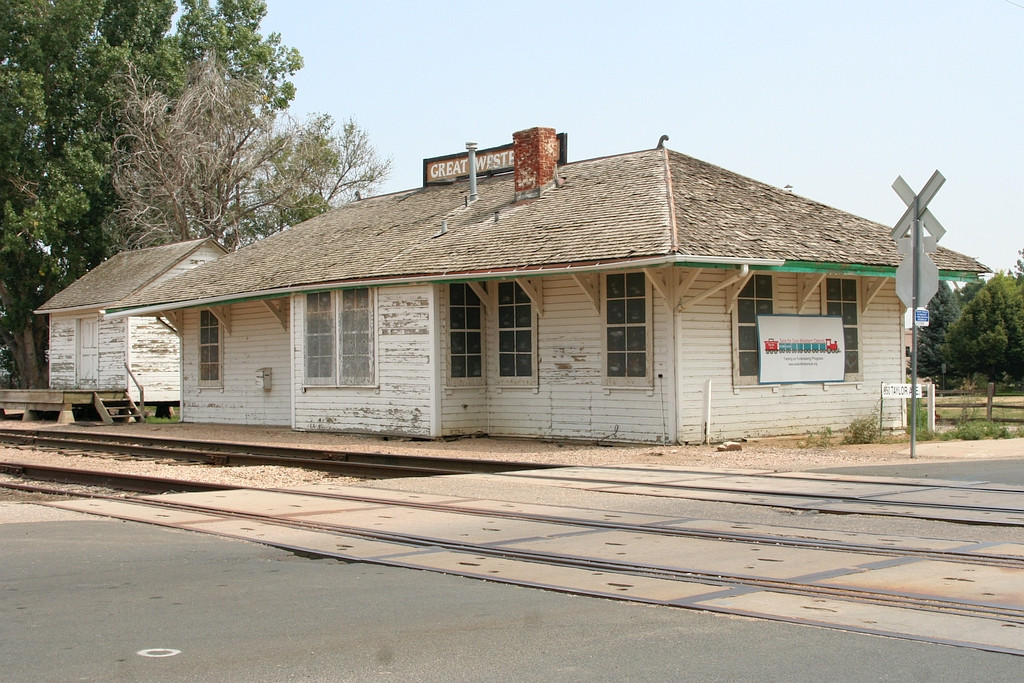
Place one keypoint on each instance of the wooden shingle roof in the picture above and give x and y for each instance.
(721, 213)
(120, 276)
(616, 208)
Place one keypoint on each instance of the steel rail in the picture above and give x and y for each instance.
(1005, 613)
(350, 463)
(1002, 613)
(139, 483)
(866, 500)
(995, 560)
(112, 480)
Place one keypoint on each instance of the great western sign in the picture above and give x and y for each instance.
(488, 162)
(801, 348)
(454, 166)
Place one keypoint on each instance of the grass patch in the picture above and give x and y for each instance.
(819, 439)
(975, 430)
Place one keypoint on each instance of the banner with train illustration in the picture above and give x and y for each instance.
(800, 348)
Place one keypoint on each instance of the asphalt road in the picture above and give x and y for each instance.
(81, 598)
(1002, 470)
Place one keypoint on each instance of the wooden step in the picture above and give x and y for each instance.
(117, 410)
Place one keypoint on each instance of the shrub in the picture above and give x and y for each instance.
(822, 439)
(863, 430)
(978, 429)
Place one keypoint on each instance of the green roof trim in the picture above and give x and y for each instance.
(860, 269)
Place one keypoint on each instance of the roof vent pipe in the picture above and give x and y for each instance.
(471, 148)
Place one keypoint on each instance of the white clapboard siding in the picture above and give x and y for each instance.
(113, 344)
(401, 402)
(705, 336)
(256, 341)
(154, 357)
(62, 351)
(570, 399)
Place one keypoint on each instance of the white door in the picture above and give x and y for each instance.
(88, 352)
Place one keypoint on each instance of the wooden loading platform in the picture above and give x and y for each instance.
(111, 406)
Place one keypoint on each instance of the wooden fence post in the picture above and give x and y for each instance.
(988, 404)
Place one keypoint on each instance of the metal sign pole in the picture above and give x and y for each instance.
(917, 277)
(913, 334)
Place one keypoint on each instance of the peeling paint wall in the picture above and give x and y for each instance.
(64, 350)
(255, 341)
(154, 357)
(400, 402)
(570, 399)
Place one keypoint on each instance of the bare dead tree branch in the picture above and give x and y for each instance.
(218, 162)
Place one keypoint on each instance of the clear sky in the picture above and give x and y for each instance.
(835, 98)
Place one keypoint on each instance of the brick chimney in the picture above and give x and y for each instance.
(536, 159)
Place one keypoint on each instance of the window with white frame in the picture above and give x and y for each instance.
(319, 330)
(339, 339)
(841, 300)
(209, 349)
(756, 298)
(355, 337)
(627, 329)
(465, 335)
(516, 334)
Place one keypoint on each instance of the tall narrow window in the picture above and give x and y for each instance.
(626, 343)
(754, 299)
(465, 331)
(339, 338)
(209, 349)
(515, 331)
(841, 299)
(319, 338)
(355, 344)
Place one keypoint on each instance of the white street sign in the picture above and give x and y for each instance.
(901, 390)
(922, 317)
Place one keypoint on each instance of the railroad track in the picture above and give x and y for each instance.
(108, 480)
(783, 574)
(963, 502)
(350, 463)
(964, 599)
(866, 543)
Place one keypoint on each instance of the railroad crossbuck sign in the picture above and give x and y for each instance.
(909, 241)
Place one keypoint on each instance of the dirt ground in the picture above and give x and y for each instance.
(774, 454)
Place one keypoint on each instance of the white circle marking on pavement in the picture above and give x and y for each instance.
(158, 652)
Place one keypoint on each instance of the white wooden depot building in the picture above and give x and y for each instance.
(89, 352)
(624, 298)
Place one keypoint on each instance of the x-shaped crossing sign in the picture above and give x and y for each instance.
(930, 223)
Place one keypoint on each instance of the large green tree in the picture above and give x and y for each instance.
(59, 61)
(989, 336)
(230, 31)
(944, 310)
(63, 67)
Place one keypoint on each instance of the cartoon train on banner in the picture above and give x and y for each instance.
(775, 346)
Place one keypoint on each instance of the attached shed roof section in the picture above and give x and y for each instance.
(721, 213)
(120, 276)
